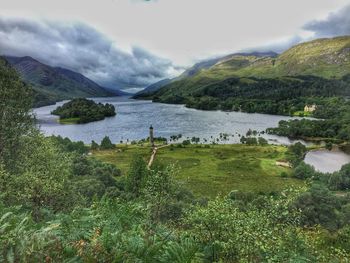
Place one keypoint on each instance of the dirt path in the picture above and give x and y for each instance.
(154, 152)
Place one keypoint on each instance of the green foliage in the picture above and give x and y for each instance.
(229, 234)
(94, 145)
(320, 207)
(106, 144)
(42, 178)
(304, 171)
(340, 180)
(327, 57)
(15, 117)
(84, 110)
(262, 141)
(335, 123)
(186, 142)
(296, 153)
(92, 178)
(69, 146)
(137, 176)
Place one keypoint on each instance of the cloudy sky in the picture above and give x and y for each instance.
(133, 43)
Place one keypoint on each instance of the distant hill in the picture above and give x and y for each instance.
(152, 88)
(55, 83)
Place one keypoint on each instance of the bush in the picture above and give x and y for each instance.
(94, 145)
(106, 144)
(262, 141)
(304, 171)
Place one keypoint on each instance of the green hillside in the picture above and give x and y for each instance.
(325, 58)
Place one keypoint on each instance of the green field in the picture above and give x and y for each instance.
(211, 170)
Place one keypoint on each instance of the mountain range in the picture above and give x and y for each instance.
(51, 84)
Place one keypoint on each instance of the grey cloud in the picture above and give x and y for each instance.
(336, 24)
(278, 46)
(83, 49)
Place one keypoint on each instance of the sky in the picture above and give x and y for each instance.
(134, 43)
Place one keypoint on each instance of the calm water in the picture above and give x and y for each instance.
(135, 116)
(327, 161)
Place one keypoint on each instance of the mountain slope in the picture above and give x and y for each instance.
(152, 88)
(277, 85)
(55, 83)
(325, 58)
(206, 64)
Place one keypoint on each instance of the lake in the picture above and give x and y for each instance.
(327, 161)
(134, 118)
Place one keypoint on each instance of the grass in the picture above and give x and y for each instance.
(215, 169)
(69, 121)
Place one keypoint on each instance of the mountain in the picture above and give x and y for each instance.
(254, 83)
(152, 88)
(325, 58)
(55, 83)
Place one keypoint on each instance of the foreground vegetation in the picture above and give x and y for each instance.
(58, 204)
(83, 111)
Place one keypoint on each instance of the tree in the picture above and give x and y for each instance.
(94, 145)
(106, 144)
(159, 191)
(262, 141)
(304, 171)
(16, 119)
(43, 181)
(340, 180)
(319, 206)
(295, 153)
(137, 176)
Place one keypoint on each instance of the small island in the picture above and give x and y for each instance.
(78, 111)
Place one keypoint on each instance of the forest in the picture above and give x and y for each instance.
(58, 204)
(82, 110)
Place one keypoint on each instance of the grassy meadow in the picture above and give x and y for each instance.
(209, 170)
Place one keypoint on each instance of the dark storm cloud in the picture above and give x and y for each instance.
(336, 24)
(82, 49)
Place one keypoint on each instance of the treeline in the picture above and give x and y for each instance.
(84, 110)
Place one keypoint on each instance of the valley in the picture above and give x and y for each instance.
(238, 159)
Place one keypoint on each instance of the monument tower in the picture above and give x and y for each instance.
(151, 138)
